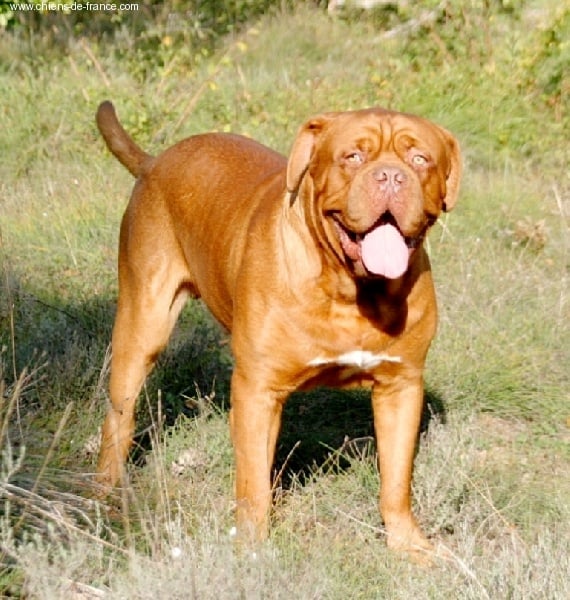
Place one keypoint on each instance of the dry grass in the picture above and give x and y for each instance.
(492, 471)
(504, 525)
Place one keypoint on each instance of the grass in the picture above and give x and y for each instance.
(492, 469)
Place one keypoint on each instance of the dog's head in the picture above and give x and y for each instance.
(372, 183)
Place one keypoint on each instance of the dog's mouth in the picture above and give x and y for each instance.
(382, 251)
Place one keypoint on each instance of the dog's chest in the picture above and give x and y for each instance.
(355, 360)
(351, 367)
(347, 344)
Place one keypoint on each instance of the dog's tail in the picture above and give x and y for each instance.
(118, 140)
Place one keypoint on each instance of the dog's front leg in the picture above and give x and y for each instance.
(397, 409)
(255, 420)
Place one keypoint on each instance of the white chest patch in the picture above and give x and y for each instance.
(359, 359)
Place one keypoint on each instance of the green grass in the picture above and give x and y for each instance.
(492, 469)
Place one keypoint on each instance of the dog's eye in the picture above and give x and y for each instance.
(354, 158)
(419, 160)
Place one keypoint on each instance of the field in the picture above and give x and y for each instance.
(492, 481)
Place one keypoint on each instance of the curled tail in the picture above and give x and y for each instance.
(118, 140)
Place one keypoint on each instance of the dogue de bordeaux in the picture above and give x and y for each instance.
(315, 264)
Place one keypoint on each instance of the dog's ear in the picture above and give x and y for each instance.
(303, 148)
(455, 168)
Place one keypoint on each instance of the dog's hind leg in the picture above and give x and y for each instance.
(146, 314)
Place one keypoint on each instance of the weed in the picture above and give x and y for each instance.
(492, 475)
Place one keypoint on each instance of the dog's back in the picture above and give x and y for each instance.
(194, 202)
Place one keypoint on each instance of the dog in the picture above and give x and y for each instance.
(315, 264)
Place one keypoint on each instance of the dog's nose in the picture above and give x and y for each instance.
(389, 177)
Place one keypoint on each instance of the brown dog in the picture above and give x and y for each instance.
(316, 266)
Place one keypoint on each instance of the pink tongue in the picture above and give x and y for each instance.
(384, 252)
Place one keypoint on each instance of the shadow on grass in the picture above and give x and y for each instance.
(317, 423)
(62, 342)
(196, 363)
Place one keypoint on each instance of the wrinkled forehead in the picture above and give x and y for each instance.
(376, 131)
